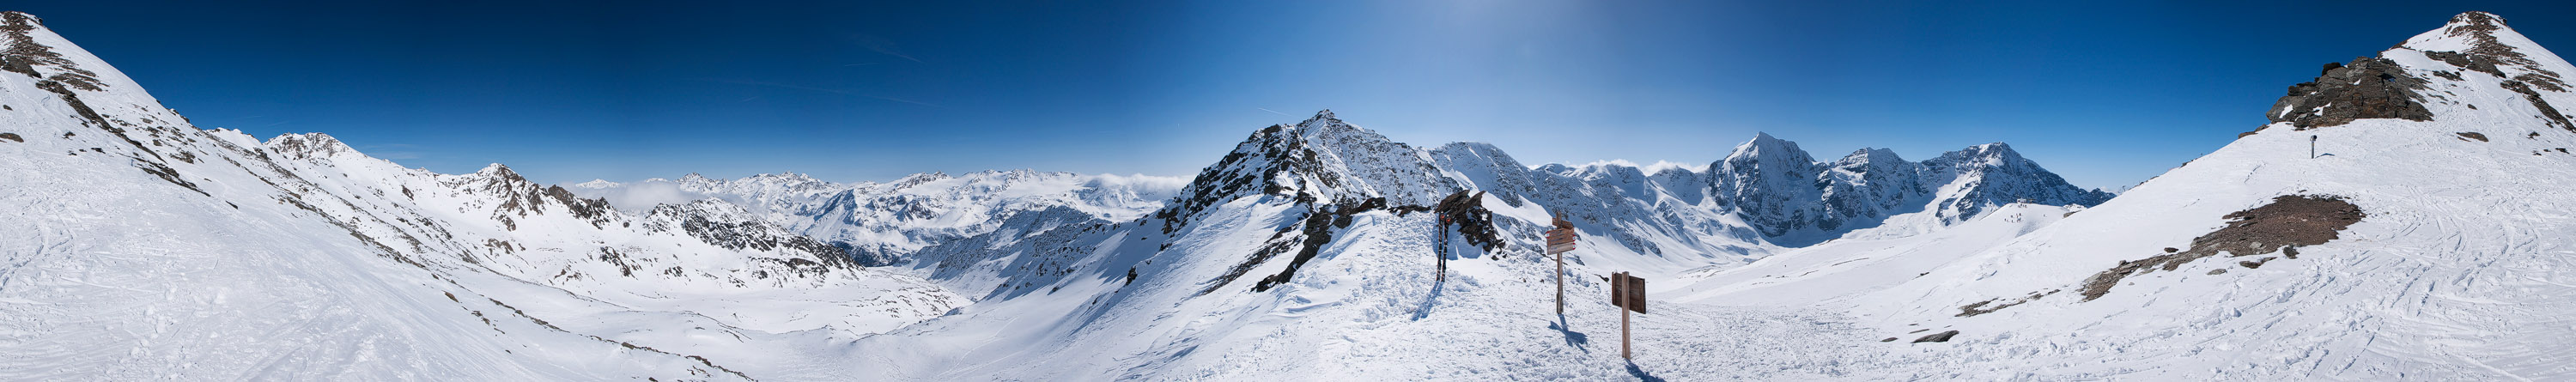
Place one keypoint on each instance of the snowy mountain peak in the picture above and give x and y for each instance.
(1322, 115)
(307, 146)
(2480, 42)
(1319, 160)
(2467, 29)
(909, 181)
(1765, 149)
(1324, 124)
(500, 171)
(1867, 156)
(1991, 154)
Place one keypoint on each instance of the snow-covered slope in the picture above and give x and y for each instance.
(142, 247)
(2427, 240)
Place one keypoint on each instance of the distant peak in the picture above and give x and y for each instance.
(1764, 142)
(1990, 150)
(1322, 119)
(2478, 19)
(1872, 155)
(1994, 153)
(502, 174)
(307, 145)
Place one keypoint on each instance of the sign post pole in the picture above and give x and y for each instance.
(1560, 241)
(1629, 294)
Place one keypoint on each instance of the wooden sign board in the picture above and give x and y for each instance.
(1560, 240)
(1628, 292)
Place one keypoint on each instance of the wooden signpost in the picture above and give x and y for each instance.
(1629, 294)
(1560, 241)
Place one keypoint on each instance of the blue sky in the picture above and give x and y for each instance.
(2105, 94)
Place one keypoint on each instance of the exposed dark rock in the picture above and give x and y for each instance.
(2468, 136)
(168, 174)
(595, 209)
(12, 137)
(2286, 223)
(755, 235)
(2368, 88)
(2465, 62)
(1990, 306)
(2548, 113)
(2219, 271)
(1467, 211)
(1319, 232)
(2488, 55)
(1938, 337)
(23, 55)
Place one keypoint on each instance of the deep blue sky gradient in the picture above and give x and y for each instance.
(2105, 93)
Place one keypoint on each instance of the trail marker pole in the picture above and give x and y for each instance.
(2312, 147)
(1629, 294)
(1560, 241)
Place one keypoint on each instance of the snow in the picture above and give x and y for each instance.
(146, 248)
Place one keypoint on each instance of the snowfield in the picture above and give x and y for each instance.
(134, 245)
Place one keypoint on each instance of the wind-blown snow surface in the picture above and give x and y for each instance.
(139, 247)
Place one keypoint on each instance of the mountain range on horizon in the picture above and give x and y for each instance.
(2421, 241)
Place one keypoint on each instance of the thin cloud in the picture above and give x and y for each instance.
(1275, 112)
(881, 46)
(903, 100)
(826, 90)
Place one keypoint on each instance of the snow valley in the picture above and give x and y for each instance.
(2423, 239)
